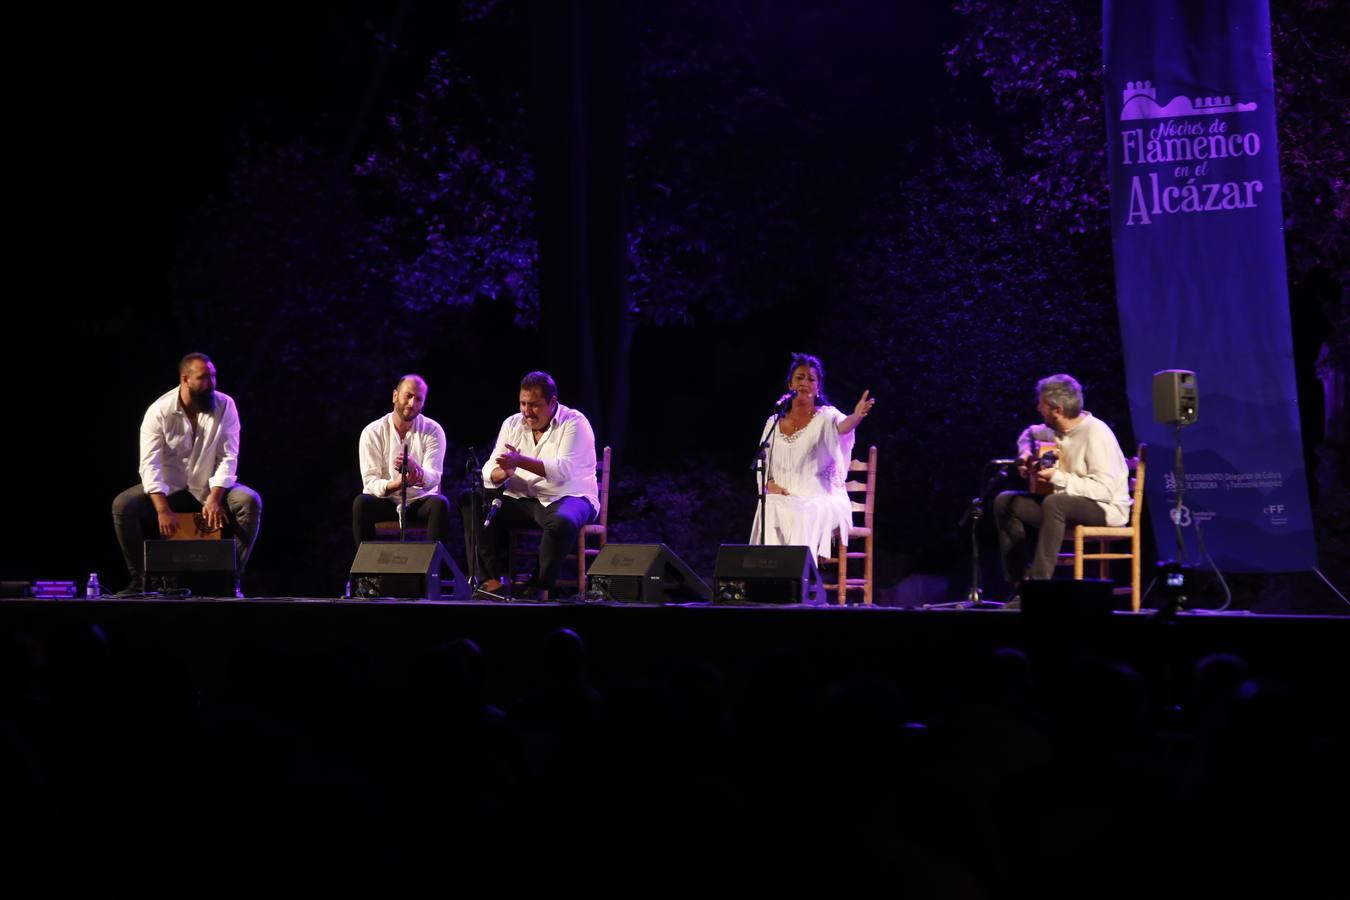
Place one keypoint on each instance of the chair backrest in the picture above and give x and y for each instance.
(868, 487)
(1137, 465)
(604, 488)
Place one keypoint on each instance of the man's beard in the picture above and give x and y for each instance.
(202, 399)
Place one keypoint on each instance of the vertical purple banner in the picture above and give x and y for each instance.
(1200, 274)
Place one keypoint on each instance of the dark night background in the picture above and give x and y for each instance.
(657, 203)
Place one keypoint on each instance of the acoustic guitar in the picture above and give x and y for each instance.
(1045, 456)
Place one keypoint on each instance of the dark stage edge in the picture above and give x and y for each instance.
(623, 641)
(257, 670)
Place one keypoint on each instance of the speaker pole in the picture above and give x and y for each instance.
(1176, 401)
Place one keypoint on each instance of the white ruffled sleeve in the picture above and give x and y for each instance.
(839, 447)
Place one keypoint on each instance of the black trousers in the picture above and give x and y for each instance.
(559, 521)
(432, 510)
(1015, 511)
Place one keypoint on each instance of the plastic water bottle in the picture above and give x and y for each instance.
(92, 590)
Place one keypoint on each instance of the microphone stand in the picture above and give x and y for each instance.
(403, 497)
(474, 481)
(473, 474)
(974, 512)
(762, 468)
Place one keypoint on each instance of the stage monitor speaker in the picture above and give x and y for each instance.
(1086, 600)
(750, 573)
(201, 568)
(406, 570)
(644, 573)
(1176, 399)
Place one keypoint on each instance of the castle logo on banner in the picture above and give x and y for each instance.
(1182, 159)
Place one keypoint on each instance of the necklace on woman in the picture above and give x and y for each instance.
(796, 431)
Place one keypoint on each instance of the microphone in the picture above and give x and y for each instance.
(492, 511)
(1003, 462)
(785, 401)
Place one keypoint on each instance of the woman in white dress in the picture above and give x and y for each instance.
(808, 462)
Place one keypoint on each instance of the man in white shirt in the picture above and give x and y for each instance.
(1089, 481)
(381, 458)
(189, 457)
(543, 471)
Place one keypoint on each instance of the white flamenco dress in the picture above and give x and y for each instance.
(812, 466)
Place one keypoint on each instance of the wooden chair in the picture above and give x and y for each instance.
(843, 582)
(523, 543)
(1105, 535)
(417, 531)
(389, 531)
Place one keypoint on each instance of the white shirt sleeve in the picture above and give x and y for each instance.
(503, 436)
(433, 458)
(370, 455)
(1027, 440)
(576, 451)
(1105, 469)
(227, 464)
(154, 445)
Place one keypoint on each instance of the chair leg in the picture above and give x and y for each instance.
(1077, 554)
(841, 589)
(581, 562)
(867, 573)
(1134, 572)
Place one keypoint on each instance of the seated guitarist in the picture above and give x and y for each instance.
(1085, 481)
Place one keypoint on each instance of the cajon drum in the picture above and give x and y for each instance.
(192, 527)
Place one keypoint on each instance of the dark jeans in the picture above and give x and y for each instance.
(560, 521)
(432, 510)
(134, 517)
(1015, 511)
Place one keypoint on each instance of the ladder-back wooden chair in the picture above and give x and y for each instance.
(1104, 536)
(839, 564)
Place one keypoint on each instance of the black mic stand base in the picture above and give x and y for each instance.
(975, 595)
(973, 601)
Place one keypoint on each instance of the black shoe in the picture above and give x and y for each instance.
(134, 589)
(530, 591)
